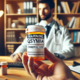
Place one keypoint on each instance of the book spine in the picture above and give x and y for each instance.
(8, 36)
(71, 22)
(67, 7)
(24, 7)
(77, 7)
(74, 24)
(30, 20)
(14, 37)
(35, 20)
(7, 8)
(63, 6)
(78, 36)
(9, 22)
(59, 9)
(30, 6)
(72, 36)
(74, 8)
(26, 21)
(75, 36)
(28, 11)
(11, 36)
(10, 49)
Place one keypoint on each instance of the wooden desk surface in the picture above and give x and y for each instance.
(20, 73)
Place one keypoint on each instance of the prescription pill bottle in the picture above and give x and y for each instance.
(3, 68)
(35, 42)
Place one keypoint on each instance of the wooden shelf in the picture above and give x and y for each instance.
(76, 43)
(20, 0)
(27, 14)
(13, 42)
(15, 29)
(69, 0)
(69, 14)
(73, 29)
(16, 33)
(21, 18)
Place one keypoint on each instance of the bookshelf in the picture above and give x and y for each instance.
(69, 15)
(66, 17)
(21, 17)
(12, 33)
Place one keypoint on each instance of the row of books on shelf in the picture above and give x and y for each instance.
(74, 23)
(11, 48)
(75, 36)
(11, 36)
(66, 8)
(29, 20)
(27, 8)
(77, 51)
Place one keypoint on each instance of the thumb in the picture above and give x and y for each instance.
(50, 56)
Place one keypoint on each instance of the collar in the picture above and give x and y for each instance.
(50, 24)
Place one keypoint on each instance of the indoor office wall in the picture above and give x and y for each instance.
(2, 29)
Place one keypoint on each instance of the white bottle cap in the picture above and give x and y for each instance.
(3, 63)
(35, 28)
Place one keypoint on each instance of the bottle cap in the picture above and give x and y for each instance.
(3, 63)
(35, 28)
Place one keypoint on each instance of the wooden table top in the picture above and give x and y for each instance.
(21, 74)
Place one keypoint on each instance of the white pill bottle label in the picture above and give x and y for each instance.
(35, 41)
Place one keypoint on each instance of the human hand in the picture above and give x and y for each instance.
(17, 57)
(56, 71)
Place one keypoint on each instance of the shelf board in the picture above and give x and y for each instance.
(76, 43)
(69, 14)
(13, 42)
(69, 0)
(53, 13)
(73, 29)
(25, 14)
(16, 29)
(21, 42)
(20, 0)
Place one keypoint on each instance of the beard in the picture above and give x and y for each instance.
(47, 17)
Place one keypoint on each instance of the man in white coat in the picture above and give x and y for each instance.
(57, 38)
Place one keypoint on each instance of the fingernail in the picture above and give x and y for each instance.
(25, 53)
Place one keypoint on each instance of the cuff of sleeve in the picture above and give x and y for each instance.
(12, 55)
(58, 55)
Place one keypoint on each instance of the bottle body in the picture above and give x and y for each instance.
(3, 68)
(35, 43)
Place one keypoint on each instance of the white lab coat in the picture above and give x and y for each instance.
(59, 43)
